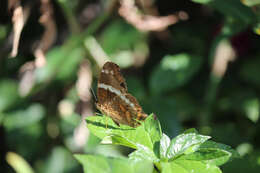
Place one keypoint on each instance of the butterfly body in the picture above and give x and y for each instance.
(114, 99)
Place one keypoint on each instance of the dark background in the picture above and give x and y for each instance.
(178, 78)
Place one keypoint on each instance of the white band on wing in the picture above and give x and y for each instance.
(117, 92)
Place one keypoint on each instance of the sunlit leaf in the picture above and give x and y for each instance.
(181, 143)
(143, 153)
(164, 145)
(101, 164)
(104, 126)
(212, 156)
(185, 166)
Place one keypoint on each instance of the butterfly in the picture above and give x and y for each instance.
(114, 100)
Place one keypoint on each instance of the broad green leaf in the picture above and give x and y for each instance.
(183, 142)
(18, 163)
(22, 118)
(104, 126)
(211, 156)
(219, 146)
(8, 94)
(153, 128)
(143, 153)
(174, 71)
(212, 153)
(101, 164)
(172, 167)
(164, 144)
(186, 166)
(119, 140)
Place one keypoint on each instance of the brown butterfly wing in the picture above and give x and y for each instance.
(113, 99)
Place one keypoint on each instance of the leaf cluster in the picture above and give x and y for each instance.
(154, 151)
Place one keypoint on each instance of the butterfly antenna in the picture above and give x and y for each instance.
(94, 95)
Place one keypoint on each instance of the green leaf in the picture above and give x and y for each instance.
(185, 166)
(219, 146)
(104, 126)
(211, 156)
(101, 164)
(22, 118)
(118, 140)
(183, 142)
(8, 94)
(175, 70)
(164, 145)
(153, 128)
(143, 153)
(212, 153)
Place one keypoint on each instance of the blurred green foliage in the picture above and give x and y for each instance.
(175, 73)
